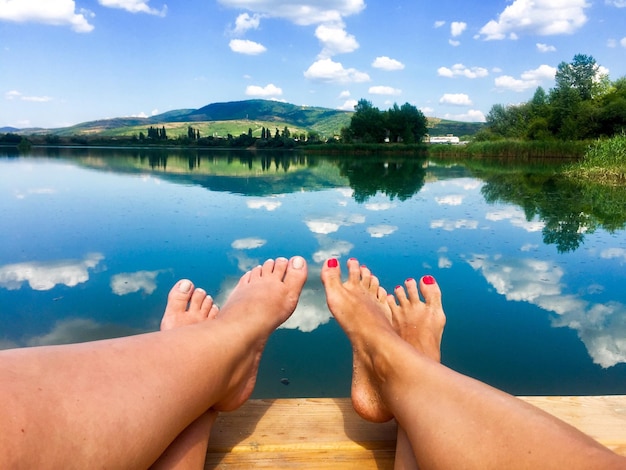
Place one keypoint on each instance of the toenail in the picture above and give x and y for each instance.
(184, 286)
(333, 263)
(409, 280)
(428, 280)
(298, 262)
(398, 287)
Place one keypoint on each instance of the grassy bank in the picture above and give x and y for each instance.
(513, 149)
(604, 162)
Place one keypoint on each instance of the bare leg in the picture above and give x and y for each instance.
(118, 402)
(186, 306)
(451, 420)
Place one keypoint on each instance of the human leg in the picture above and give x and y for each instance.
(186, 306)
(452, 421)
(118, 402)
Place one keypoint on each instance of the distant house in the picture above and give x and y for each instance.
(440, 139)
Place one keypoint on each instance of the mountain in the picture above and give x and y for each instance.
(242, 115)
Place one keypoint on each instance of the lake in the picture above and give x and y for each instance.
(532, 267)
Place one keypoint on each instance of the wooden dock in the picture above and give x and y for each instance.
(326, 433)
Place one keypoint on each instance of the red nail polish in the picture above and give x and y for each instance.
(398, 287)
(429, 280)
(333, 263)
(409, 280)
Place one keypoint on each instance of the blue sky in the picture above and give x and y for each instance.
(63, 62)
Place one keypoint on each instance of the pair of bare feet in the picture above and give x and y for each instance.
(360, 305)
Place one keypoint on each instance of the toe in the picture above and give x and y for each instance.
(331, 273)
(411, 288)
(296, 272)
(180, 295)
(280, 267)
(354, 271)
(213, 310)
(430, 290)
(197, 298)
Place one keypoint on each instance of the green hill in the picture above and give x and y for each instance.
(236, 117)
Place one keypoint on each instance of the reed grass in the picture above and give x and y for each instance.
(604, 161)
(523, 150)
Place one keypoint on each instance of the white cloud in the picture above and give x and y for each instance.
(245, 46)
(129, 283)
(52, 12)
(612, 253)
(545, 47)
(379, 206)
(384, 90)
(386, 63)
(529, 79)
(601, 327)
(460, 70)
(380, 231)
(348, 105)
(269, 204)
(450, 200)
(248, 243)
(617, 3)
(456, 99)
(517, 219)
(327, 70)
(454, 43)
(335, 40)
(542, 17)
(451, 225)
(134, 6)
(300, 12)
(472, 115)
(623, 42)
(439, 24)
(45, 275)
(344, 95)
(331, 249)
(330, 224)
(266, 91)
(245, 22)
(457, 28)
(16, 95)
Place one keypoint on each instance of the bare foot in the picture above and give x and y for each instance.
(187, 306)
(360, 306)
(419, 323)
(262, 300)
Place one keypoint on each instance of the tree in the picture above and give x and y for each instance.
(578, 74)
(367, 124)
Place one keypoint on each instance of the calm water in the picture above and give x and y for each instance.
(532, 269)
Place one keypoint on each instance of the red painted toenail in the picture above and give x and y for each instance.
(333, 263)
(409, 280)
(398, 287)
(428, 280)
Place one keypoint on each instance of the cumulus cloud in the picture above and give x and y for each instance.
(451, 225)
(472, 115)
(266, 91)
(245, 46)
(545, 47)
(450, 200)
(331, 224)
(517, 218)
(300, 12)
(335, 40)
(601, 327)
(456, 99)
(439, 24)
(380, 231)
(52, 12)
(348, 105)
(617, 3)
(327, 70)
(528, 80)
(542, 17)
(379, 206)
(134, 6)
(384, 90)
(457, 28)
(267, 203)
(386, 63)
(330, 248)
(248, 243)
(460, 70)
(245, 22)
(45, 275)
(129, 283)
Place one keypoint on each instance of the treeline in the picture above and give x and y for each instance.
(400, 124)
(584, 104)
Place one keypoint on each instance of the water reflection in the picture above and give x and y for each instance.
(45, 275)
(510, 246)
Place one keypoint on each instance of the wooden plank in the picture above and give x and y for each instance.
(327, 433)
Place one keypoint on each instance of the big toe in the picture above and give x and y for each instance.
(296, 274)
(430, 291)
(331, 273)
(179, 296)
